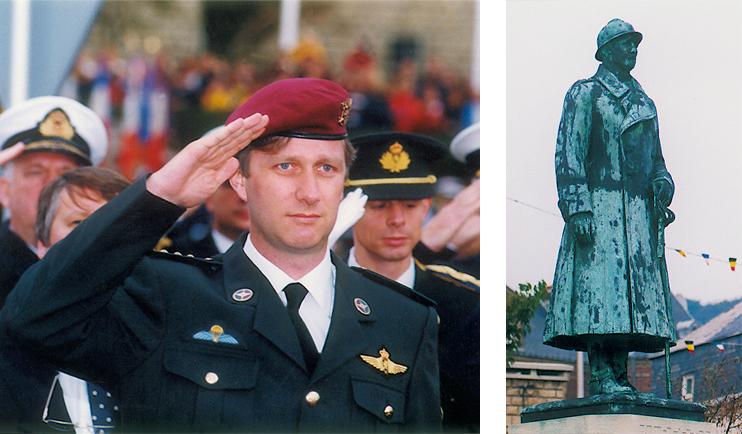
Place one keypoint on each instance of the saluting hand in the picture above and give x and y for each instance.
(441, 229)
(8, 154)
(194, 173)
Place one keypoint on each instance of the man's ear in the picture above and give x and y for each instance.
(237, 181)
(427, 203)
(4, 191)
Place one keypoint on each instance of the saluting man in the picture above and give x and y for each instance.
(277, 334)
(393, 169)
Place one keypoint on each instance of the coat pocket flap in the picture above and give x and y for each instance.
(386, 403)
(212, 370)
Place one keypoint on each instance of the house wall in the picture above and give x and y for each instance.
(715, 372)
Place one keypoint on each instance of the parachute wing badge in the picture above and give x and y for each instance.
(384, 363)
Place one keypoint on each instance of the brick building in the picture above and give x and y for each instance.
(425, 29)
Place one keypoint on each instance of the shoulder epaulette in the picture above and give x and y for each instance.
(188, 259)
(396, 286)
(450, 275)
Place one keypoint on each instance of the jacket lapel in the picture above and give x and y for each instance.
(344, 339)
(271, 318)
(636, 105)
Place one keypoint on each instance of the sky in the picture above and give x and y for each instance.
(690, 64)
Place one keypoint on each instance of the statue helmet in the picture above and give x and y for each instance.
(615, 28)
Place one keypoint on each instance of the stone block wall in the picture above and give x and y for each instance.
(531, 383)
(441, 28)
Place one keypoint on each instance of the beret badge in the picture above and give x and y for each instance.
(395, 159)
(345, 107)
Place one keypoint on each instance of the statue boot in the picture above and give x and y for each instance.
(608, 373)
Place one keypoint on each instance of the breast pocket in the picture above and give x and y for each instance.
(216, 381)
(384, 402)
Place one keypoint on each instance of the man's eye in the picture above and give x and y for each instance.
(327, 168)
(284, 166)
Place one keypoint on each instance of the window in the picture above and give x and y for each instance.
(687, 387)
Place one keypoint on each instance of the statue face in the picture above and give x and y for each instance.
(622, 52)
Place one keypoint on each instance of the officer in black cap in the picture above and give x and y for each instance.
(393, 169)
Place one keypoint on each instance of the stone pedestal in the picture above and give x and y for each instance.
(614, 414)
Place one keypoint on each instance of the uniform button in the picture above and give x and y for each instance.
(388, 411)
(312, 398)
(212, 378)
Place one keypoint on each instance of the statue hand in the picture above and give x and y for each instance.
(662, 192)
(582, 227)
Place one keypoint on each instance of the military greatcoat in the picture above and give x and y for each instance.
(608, 156)
(189, 344)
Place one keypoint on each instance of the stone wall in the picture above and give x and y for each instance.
(531, 383)
(148, 26)
(442, 28)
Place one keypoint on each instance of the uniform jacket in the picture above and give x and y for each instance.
(192, 235)
(15, 258)
(608, 156)
(105, 308)
(458, 345)
(24, 380)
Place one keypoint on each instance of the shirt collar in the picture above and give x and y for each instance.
(407, 278)
(221, 241)
(320, 282)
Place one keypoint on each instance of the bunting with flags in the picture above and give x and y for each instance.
(720, 346)
(690, 347)
(732, 261)
(145, 123)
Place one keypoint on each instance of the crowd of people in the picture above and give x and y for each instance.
(421, 96)
(248, 318)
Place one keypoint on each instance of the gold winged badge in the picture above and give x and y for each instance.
(384, 363)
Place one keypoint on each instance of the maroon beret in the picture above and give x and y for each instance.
(309, 108)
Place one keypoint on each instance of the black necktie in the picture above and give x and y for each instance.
(295, 293)
(102, 409)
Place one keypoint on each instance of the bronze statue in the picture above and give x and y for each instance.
(610, 293)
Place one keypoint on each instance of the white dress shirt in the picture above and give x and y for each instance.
(221, 241)
(75, 392)
(316, 309)
(407, 278)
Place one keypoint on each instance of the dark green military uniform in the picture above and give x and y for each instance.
(189, 344)
(397, 166)
(457, 299)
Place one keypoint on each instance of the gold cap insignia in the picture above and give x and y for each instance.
(345, 106)
(57, 124)
(384, 363)
(395, 159)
